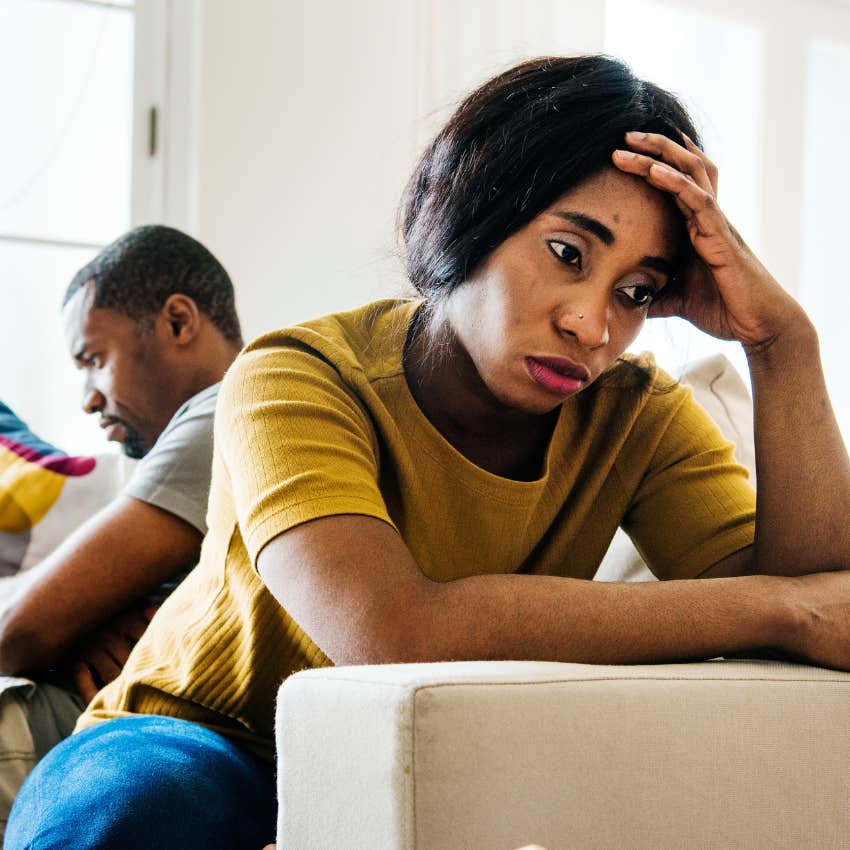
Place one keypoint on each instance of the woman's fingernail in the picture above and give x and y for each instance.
(635, 135)
(620, 154)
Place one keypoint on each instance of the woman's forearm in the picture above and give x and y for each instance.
(352, 584)
(559, 619)
(801, 461)
(802, 464)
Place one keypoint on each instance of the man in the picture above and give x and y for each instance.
(151, 322)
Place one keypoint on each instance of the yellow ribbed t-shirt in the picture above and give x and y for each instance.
(318, 420)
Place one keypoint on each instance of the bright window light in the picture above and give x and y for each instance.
(65, 175)
(824, 287)
(673, 47)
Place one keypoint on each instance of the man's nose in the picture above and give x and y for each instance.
(93, 400)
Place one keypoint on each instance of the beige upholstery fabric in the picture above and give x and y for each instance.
(493, 755)
(720, 390)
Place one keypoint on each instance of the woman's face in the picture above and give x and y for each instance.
(561, 299)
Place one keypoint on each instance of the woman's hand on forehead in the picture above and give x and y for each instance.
(687, 159)
(725, 290)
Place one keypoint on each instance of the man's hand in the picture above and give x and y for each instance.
(102, 656)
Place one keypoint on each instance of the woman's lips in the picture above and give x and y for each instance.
(557, 374)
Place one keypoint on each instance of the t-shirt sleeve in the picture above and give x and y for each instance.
(694, 505)
(175, 474)
(297, 443)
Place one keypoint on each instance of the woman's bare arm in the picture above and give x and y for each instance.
(353, 586)
(802, 463)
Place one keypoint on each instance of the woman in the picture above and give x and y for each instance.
(437, 478)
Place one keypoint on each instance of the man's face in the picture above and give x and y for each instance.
(124, 371)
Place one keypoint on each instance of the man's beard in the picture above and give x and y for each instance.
(133, 445)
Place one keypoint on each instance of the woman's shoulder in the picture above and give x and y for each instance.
(365, 340)
(707, 398)
(636, 398)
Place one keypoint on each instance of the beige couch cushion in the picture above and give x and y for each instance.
(494, 755)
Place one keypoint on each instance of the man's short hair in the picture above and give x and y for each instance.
(137, 273)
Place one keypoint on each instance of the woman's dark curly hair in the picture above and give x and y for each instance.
(511, 149)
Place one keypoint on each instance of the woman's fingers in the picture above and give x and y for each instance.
(640, 165)
(710, 232)
(688, 180)
(690, 159)
(710, 167)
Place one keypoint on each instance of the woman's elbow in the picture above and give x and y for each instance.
(405, 632)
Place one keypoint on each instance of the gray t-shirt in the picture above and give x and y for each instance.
(175, 474)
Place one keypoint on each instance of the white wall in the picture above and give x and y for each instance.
(289, 129)
(306, 130)
(311, 118)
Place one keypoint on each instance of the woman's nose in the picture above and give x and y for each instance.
(587, 322)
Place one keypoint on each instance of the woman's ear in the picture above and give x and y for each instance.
(181, 318)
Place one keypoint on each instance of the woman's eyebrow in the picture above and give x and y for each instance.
(659, 264)
(597, 228)
(606, 236)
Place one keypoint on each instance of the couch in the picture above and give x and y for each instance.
(737, 755)
(494, 755)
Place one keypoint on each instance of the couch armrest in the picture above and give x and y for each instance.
(494, 755)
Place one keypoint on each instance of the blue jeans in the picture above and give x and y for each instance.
(145, 783)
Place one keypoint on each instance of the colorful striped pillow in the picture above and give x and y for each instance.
(44, 493)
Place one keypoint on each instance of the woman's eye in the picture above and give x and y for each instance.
(565, 252)
(639, 296)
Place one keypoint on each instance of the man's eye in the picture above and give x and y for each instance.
(639, 296)
(565, 252)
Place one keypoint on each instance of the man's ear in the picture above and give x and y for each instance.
(181, 318)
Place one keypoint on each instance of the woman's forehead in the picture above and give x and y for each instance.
(621, 204)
